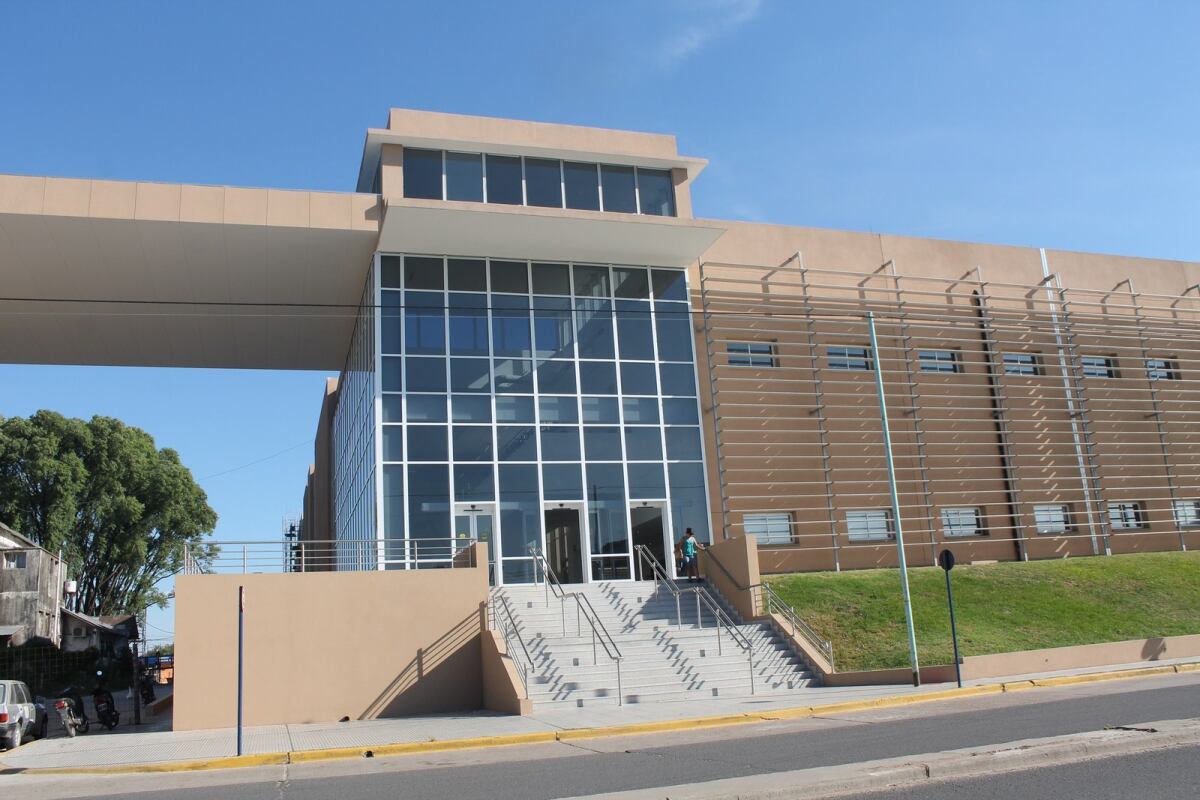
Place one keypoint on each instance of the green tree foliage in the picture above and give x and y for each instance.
(122, 511)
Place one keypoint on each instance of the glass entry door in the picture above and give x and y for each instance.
(564, 541)
(648, 520)
(475, 522)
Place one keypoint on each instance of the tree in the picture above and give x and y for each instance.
(122, 511)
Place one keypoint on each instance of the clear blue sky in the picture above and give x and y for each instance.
(1067, 125)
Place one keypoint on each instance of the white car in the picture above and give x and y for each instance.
(20, 717)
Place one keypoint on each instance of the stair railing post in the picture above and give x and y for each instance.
(678, 614)
(595, 660)
(620, 691)
(699, 621)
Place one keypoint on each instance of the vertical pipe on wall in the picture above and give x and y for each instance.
(895, 498)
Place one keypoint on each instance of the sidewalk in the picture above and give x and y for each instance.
(276, 744)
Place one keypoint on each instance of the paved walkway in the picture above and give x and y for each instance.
(160, 747)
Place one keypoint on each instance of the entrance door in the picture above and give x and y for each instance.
(474, 523)
(649, 531)
(564, 544)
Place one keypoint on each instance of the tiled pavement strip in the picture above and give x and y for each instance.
(163, 747)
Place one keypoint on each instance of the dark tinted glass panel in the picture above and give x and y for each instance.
(510, 276)
(520, 512)
(427, 443)
(393, 443)
(591, 282)
(602, 444)
(669, 284)
(631, 282)
(543, 184)
(687, 498)
(393, 504)
(635, 334)
(429, 507)
(605, 491)
(468, 324)
(643, 444)
(595, 326)
(471, 408)
(562, 482)
(583, 187)
(512, 376)
(425, 374)
(470, 375)
(638, 379)
(472, 442)
(560, 443)
(680, 412)
(556, 377)
(473, 483)
(425, 323)
(391, 322)
(551, 279)
(514, 409)
(678, 379)
(423, 173)
(617, 183)
(647, 481)
(640, 410)
(426, 408)
(553, 327)
(558, 409)
(510, 327)
(392, 372)
(464, 177)
(656, 193)
(599, 409)
(597, 377)
(467, 275)
(514, 571)
(674, 332)
(683, 444)
(393, 408)
(421, 272)
(504, 180)
(389, 275)
(516, 443)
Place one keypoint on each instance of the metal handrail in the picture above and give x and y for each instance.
(584, 609)
(648, 558)
(771, 602)
(508, 629)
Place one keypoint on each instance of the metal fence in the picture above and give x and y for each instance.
(280, 556)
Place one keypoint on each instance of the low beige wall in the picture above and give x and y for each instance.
(502, 688)
(322, 646)
(740, 557)
(1131, 651)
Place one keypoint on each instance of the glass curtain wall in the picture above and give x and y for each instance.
(354, 433)
(513, 386)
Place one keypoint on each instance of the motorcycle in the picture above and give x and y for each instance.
(146, 688)
(71, 722)
(106, 710)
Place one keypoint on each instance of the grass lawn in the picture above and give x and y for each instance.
(999, 607)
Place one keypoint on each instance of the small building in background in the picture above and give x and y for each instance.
(108, 634)
(31, 590)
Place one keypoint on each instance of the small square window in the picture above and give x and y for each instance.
(849, 358)
(1162, 369)
(751, 354)
(14, 560)
(1051, 518)
(1098, 366)
(939, 361)
(1126, 516)
(1022, 364)
(869, 525)
(769, 528)
(960, 522)
(1187, 513)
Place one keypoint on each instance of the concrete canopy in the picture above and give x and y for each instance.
(199, 271)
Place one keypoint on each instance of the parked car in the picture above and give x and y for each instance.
(20, 717)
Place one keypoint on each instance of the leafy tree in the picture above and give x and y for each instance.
(122, 511)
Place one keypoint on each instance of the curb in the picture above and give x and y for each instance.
(572, 734)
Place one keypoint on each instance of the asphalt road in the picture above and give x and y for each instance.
(590, 767)
(1159, 775)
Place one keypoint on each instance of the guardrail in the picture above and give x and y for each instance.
(325, 555)
(506, 624)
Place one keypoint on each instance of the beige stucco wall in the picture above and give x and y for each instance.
(321, 646)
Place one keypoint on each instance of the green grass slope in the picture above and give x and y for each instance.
(999, 607)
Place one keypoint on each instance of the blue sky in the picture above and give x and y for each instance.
(1066, 125)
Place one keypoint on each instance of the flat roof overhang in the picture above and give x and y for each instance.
(207, 276)
(475, 229)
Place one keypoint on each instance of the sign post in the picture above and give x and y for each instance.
(241, 641)
(946, 562)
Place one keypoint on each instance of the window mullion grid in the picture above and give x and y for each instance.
(449, 404)
(496, 554)
(585, 518)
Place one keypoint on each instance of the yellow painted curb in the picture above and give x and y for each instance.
(230, 762)
(1093, 677)
(656, 727)
(404, 748)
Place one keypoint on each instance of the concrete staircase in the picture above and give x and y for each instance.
(661, 659)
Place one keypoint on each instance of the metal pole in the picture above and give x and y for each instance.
(953, 631)
(891, 471)
(241, 646)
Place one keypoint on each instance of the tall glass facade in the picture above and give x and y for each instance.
(533, 404)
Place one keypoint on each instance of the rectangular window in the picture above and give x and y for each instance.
(619, 189)
(864, 526)
(962, 521)
(1022, 364)
(1126, 516)
(751, 354)
(543, 183)
(1187, 513)
(423, 174)
(583, 186)
(464, 177)
(1098, 366)
(504, 180)
(1162, 369)
(939, 360)
(1051, 518)
(13, 560)
(769, 528)
(849, 358)
(656, 192)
